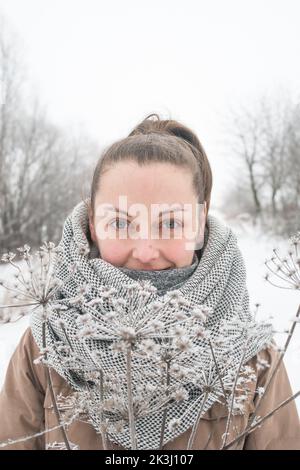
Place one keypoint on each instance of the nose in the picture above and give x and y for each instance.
(145, 252)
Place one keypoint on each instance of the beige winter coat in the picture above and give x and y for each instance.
(26, 408)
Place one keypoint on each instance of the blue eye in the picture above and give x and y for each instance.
(172, 221)
(123, 224)
(118, 223)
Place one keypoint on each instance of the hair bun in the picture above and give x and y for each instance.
(166, 126)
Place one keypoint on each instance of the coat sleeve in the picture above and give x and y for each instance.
(282, 430)
(22, 398)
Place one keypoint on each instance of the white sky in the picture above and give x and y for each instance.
(105, 65)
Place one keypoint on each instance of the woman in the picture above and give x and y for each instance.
(160, 162)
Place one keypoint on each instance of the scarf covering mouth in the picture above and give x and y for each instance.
(217, 282)
(164, 279)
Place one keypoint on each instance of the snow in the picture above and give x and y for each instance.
(281, 304)
(10, 333)
(256, 247)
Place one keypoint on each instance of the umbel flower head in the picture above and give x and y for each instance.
(34, 284)
(139, 323)
(131, 342)
(285, 268)
(286, 272)
(136, 357)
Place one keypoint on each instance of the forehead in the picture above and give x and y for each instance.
(150, 183)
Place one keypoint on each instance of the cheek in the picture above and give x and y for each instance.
(176, 251)
(117, 252)
(113, 251)
(172, 248)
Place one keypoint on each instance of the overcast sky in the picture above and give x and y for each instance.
(105, 65)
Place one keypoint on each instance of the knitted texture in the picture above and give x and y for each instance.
(218, 283)
(165, 279)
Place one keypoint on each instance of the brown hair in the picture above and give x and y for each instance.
(159, 141)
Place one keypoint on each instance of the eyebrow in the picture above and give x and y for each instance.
(176, 209)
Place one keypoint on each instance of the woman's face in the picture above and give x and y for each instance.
(141, 238)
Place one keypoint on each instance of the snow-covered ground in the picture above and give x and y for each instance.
(282, 304)
(10, 333)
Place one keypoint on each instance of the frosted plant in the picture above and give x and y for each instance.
(158, 337)
(166, 335)
(171, 336)
(285, 268)
(34, 285)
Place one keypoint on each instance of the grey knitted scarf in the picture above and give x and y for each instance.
(166, 279)
(216, 280)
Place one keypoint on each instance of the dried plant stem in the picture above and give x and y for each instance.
(143, 325)
(24, 293)
(32, 436)
(49, 380)
(284, 269)
(295, 267)
(130, 399)
(233, 393)
(261, 420)
(280, 277)
(103, 433)
(218, 370)
(288, 340)
(260, 399)
(54, 402)
(281, 287)
(163, 426)
(20, 271)
(222, 386)
(48, 278)
(19, 305)
(196, 424)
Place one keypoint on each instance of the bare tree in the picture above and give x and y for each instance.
(41, 168)
(293, 163)
(246, 143)
(267, 142)
(276, 125)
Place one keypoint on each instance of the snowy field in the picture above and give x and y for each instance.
(280, 303)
